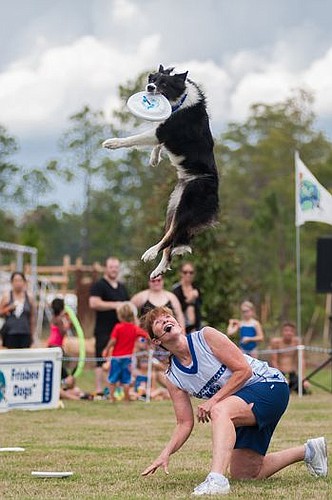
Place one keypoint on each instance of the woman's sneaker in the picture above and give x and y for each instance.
(317, 453)
(212, 486)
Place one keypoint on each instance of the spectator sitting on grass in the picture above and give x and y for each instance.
(140, 369)
(60, 324)
(69, 389)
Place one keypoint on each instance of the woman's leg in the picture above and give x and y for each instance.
(244, 463)
(248, 464)
(231, 412)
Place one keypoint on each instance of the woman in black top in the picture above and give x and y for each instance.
(190, 297)
(157, 296)
(150, 298)
(18, 309)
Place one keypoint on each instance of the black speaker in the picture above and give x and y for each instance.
(324, 265)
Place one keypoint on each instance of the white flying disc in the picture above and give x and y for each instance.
(12, 448)
(50, 474)
(152, 107)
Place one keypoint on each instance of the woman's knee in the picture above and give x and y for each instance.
(220, 411)
(246, 464)
(235, 409)
(244, 472)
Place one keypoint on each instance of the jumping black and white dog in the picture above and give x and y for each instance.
(186, 137)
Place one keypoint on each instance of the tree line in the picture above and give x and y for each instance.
(250, 254)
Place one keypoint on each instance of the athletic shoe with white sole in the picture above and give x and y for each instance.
(212, 487)
(317, 463)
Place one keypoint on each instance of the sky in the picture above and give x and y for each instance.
(59, 55)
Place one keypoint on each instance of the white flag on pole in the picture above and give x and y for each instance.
(313, 202)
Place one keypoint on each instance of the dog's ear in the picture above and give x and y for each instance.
(168, 71)
(161, 68)
(183, 76)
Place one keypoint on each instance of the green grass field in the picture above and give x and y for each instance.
(107, 446)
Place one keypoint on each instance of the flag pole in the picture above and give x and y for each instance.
(298, 254)
(298, 280)
(298, 284)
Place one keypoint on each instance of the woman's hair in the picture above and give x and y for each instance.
(150, 317)
(127, 312)
(187, 263)
(248, 304)
(58, 306)
(17, 273)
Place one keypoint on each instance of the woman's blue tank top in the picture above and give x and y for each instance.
(247, 331)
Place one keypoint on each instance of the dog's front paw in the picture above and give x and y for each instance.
(114, 143)
(155, 157)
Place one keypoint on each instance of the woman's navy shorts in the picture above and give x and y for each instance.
(270, 402)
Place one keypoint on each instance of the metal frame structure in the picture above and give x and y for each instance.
(20, 250)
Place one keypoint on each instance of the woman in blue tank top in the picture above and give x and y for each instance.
(249, 328)
(243, 398)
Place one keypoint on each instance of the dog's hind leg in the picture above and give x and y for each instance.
(181, 250)
(164, 264)
(166, 240)
(152, 252)
(168, 254)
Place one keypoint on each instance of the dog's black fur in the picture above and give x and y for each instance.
(187, 138)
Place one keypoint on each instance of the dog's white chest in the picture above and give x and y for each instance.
(176, 161)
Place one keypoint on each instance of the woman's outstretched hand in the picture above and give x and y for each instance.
(159, 462)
